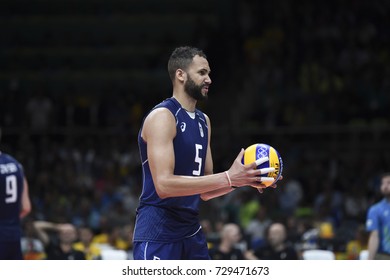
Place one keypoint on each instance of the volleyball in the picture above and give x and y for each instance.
(259, 150)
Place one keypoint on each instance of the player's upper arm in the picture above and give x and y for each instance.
(372, 222)
(158, 132)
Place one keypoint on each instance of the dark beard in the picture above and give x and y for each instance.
(194, 90)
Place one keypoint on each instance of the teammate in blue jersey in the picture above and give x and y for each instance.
(174, 143)
(14, 205)
(378, 223)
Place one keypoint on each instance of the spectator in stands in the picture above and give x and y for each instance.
(276, 248)
(257, 227)
(85, 244)
(228, 247)
(112, 237)
(60, 246)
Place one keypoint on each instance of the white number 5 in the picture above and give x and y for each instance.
(11, 189)
(198, 159)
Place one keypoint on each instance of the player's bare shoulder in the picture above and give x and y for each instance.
(159, 121)
(207, 120)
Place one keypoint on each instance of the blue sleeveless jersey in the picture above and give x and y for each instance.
(378, 218)
(173, 219)
(11, 187)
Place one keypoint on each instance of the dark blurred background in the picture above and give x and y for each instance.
(310, 78)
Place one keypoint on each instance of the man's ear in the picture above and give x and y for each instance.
(181, 75)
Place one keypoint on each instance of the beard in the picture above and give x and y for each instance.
(194, 90)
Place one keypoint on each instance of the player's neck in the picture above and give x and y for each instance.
(186, 102)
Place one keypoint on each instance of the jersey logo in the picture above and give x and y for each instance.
(201, 130)
(156, 258)
(183, 126)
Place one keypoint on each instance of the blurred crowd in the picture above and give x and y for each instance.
(311, 79)
(323, 56)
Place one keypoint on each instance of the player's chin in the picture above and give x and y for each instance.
(204, 96)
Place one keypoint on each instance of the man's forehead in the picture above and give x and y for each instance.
(200, 63)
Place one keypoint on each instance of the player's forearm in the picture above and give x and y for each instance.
(373, 244)
(44, 225)
(26, 203)
(175, 185)
(41, 227)
(213, 194)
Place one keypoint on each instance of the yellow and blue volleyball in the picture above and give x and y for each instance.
(257, 151)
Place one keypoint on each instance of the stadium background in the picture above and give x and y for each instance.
(310, 78)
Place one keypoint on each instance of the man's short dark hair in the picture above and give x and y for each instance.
(181, 58)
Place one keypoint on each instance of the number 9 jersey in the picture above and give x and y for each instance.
(11, 188)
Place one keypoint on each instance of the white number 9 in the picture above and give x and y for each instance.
(11, 189)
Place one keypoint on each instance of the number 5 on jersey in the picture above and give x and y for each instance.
(198, 160)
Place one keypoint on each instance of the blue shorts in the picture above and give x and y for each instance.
(10, 250)
(191, 248)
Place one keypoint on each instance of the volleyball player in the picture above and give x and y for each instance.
(14, 205)
(378, 224)
(174, 143)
